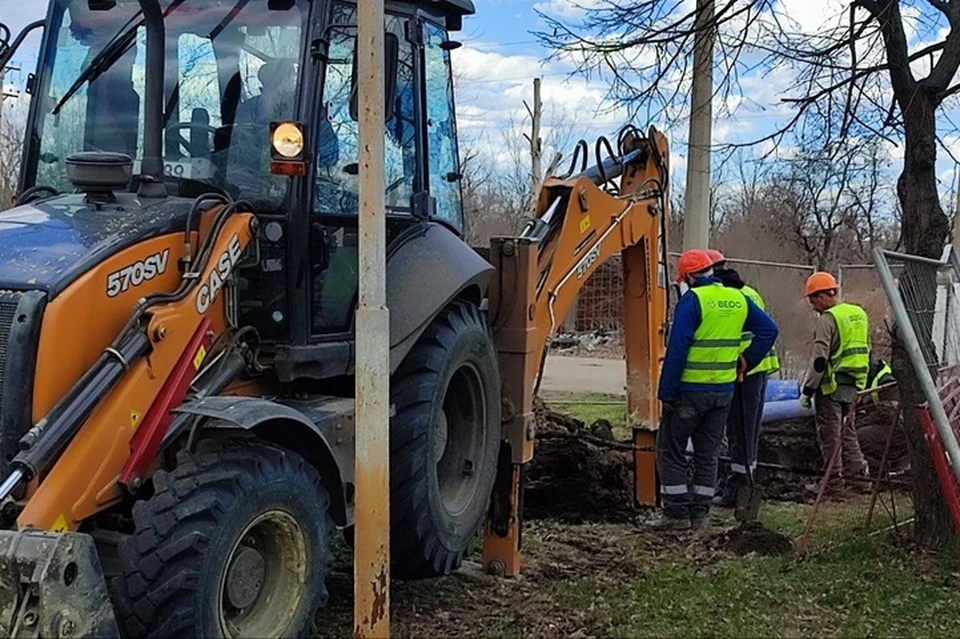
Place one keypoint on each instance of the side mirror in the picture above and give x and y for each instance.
(391, 57)
(4, 38)
(7, 49)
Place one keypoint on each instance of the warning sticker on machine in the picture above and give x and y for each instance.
(60, 525)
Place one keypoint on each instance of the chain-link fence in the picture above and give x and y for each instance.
(594, 328)
(924, 296)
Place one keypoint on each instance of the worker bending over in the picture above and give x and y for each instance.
(838, 369)
(746, 411)
(697, 381)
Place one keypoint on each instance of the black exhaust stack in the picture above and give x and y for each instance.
(151, 180)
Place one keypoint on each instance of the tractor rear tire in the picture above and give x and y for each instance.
(234, 541)
(444, 440)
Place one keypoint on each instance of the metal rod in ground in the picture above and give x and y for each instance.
(371, 565)
(912, 343)
(802, 544)
(883, 466)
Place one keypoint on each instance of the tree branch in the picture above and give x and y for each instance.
(942, 74)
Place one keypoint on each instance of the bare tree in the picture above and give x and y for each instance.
(858, 70)
(829, 199)
(11, 146)
(497, 174)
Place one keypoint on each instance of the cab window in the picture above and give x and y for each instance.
(441, 130)
(337, 181)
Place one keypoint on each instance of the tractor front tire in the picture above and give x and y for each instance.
(234, 542)
(444, 440)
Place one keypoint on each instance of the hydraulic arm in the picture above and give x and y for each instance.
(617, 207)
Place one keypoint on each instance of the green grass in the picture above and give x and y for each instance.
(590, 407)
(859, 589)
(620, 580)
(623, 580)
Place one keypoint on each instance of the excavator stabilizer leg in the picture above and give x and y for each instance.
(52, 586)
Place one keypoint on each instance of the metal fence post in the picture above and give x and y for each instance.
(922, 370)
(371, 560)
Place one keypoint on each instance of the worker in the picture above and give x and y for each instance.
(746, 411)
(700, 370)
(838, 370)
(879, 374)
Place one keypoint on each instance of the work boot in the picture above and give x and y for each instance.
(861, 484)
(728, 498)
(835, 488)
(670, 523)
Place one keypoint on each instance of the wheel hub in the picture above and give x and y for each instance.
(245, 578)
(443, 433)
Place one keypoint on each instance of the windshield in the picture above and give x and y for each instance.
(231, 68)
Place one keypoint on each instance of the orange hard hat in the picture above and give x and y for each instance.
(820, 281)
(716, 256)
(693, 261)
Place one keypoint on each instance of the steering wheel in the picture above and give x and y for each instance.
(176, 127)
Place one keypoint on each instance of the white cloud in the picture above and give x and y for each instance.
(567, 9)
(811, 16)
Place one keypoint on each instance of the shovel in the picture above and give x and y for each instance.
(749, 495)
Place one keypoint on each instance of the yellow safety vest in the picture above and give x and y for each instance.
(712, 358)
(770, 363)
(884, 371)
(852, 357)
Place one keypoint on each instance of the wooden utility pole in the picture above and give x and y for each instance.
(536, 143)
(696, 201)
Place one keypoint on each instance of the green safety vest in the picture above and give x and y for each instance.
(770, 363)
(712, 358)
(853, 356)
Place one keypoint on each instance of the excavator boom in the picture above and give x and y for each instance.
(582, 221)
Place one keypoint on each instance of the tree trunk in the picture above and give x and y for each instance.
(925, 228)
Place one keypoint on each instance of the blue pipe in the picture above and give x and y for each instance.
(787, 409)
(782, 389)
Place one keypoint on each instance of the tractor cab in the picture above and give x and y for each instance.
(259, 103)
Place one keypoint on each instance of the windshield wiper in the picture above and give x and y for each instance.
(117, 46)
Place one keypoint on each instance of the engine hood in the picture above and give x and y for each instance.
(47, 245)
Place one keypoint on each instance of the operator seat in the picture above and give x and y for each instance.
(248, 158)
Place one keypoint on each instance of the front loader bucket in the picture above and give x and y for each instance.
(52, 586)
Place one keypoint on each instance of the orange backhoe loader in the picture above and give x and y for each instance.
(178, 279)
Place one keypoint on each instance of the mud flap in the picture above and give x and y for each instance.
(52, 585)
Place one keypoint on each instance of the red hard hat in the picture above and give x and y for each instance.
(716, 256)
(693, 261)
(820, 281)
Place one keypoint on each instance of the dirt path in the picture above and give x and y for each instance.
(583, 375)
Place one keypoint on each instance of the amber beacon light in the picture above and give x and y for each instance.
(288, 148)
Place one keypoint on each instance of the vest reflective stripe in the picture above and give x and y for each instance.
(770, 363)
(712, 358)
(853, 355)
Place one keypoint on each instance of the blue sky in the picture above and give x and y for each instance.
(500, 58)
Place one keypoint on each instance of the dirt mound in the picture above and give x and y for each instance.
(752, 537)
(578, 474)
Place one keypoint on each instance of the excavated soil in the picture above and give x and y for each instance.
(751, 538)
(578, 474)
